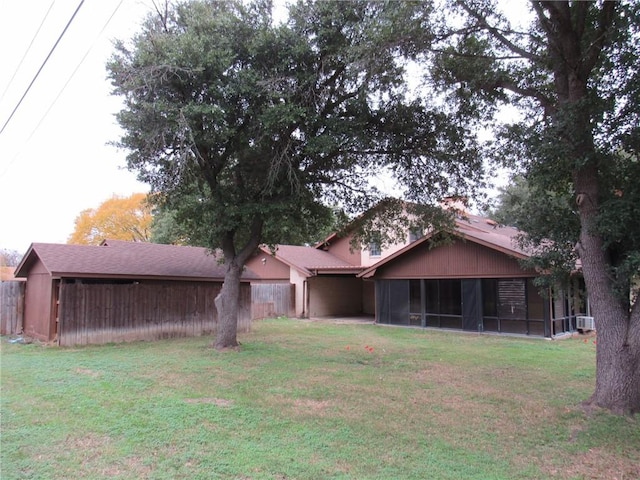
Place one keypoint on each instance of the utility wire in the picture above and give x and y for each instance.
(27, 51)
(41, 67)
(75, 70)
(104, 27)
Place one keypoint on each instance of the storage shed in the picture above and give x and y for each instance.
(123, 291)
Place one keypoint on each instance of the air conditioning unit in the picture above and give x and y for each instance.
(585, 323)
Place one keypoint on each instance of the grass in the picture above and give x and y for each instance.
(312, 400)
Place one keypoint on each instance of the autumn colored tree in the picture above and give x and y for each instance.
(118, 218)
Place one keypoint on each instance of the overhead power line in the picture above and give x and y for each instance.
(75, 70)
(41, 67)
(15, 72)
(91, 47)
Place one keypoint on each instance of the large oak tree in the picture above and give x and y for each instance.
(248, 128)
(573, 73)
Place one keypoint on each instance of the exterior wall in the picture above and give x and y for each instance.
(368, 297)
(334, 295)
(110, 312)
(366, 259)
(38, 321)
(301, 295)
(457, 260)
(267, 267)
(341, 248)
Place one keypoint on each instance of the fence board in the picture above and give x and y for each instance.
(103, 313)
(11, 307)
(270, 300)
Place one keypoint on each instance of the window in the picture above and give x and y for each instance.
(414, 234)
(374, 249)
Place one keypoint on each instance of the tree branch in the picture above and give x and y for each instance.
(498, 35)
(605, 21)
(544, 100)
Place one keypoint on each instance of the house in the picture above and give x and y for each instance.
(469, 281)
(324, 283)
(472, 281)
(121, 291)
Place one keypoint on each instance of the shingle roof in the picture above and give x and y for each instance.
(122, 259)
(491, 234)
(308, 259)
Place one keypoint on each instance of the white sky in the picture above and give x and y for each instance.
(54, 157)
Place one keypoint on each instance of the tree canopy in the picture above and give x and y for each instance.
(250, 129)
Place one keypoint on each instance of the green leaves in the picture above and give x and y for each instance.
(264, 122)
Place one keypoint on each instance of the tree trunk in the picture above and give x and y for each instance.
(617, 323)
(618, 327)
(227, 305)
(228, 300)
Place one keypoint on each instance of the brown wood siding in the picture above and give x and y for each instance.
(11, 307)
(334, 295)
(37, 318)
(269, 300)
(341, 248)
(462, 259)
(104, 313)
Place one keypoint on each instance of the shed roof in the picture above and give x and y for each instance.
(120, 259)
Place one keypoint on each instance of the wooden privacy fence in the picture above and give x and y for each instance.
(104, 313)
(269, 300)
(11, 307)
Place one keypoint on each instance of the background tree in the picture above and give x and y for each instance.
(574, 75)
(248, 130)
(9, 258)
(119, 218)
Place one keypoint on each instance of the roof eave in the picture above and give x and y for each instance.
(336, 270)
(114, 276)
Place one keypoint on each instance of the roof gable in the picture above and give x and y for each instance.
(472, 228)
(310, 261)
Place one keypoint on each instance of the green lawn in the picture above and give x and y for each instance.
(312, 400)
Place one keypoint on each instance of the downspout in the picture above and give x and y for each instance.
(304, 298)
(307, 296)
